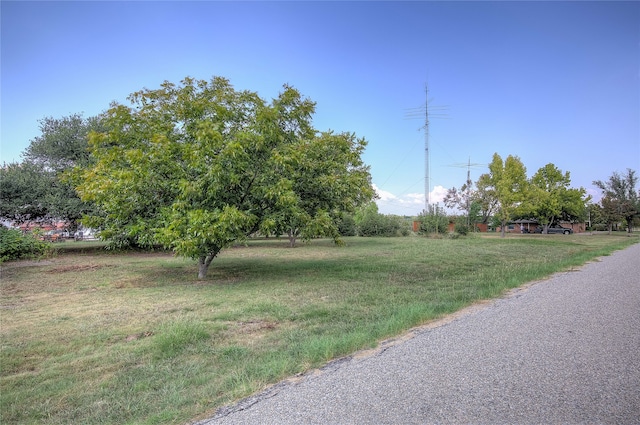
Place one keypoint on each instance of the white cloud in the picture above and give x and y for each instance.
(383, 194)
(437, 194)
(407, 204)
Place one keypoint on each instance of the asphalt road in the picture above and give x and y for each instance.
(561, 351)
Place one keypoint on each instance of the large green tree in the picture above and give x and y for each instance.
(621, 200)
(508, 184)
(551, 198)
(199, 165)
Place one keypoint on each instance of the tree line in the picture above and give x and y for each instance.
(197, 166)
(505, 194)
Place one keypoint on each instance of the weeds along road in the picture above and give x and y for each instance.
(564, 350)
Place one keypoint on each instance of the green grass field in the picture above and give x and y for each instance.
(95, 337)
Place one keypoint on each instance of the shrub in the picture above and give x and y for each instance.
(347, 225)
(14, 245)
(433, 221)
(379, 225)
(369, 222)
(461, 226)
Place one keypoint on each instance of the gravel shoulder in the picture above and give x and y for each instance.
(563, 350)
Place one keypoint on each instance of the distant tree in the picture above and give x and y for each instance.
(474, 216)
(461, 199)
(370, 222)
(594, 215)
(35, 189)
(485, 197)
(507, 182)
(477, 203)
(63, 142)
(609, 213)
(26, 192)
(621, 200)
(550, 198)
(347, 225)
(200, 165)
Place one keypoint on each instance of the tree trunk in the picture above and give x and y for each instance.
(292, 238)
(203, 265)
(502, 228)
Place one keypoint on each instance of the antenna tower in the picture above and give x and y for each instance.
(467, 192)
(413, 113)
(427, 174)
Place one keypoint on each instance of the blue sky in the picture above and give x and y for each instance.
(547, 81)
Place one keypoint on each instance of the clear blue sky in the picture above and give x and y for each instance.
(547, 81)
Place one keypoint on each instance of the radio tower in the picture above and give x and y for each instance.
(417, 113)
(427, 182)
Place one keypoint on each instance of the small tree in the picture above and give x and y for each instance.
(371, 223)
(485, 198)
(475, 215)
(550, 197)
(508, 184)
(433, 221)
(620, 199)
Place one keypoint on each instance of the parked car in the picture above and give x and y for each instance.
(555, 228)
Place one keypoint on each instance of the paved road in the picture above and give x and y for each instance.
(563, 351)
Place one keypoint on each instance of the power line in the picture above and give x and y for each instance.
(399, 164)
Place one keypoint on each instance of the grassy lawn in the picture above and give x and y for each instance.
(94, 337)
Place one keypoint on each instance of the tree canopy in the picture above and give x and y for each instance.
(328, 177)
(63, 142)
(478, 203)
(550, 198)
(199, 165)
(620, 199)
(508, 184)
(26, 192)
(35, 189)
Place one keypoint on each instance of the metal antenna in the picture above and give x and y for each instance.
(417, 113)
(468, 165)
